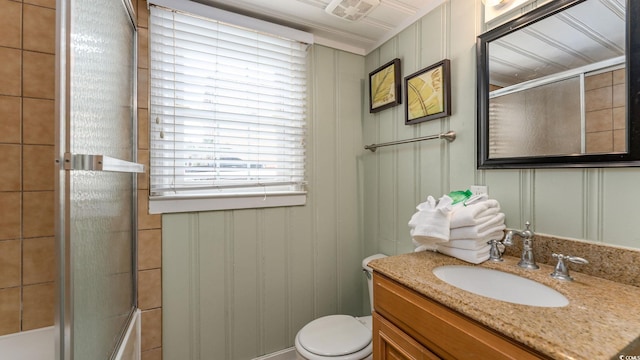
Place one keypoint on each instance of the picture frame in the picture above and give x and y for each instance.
(428, 93)
(385, 86)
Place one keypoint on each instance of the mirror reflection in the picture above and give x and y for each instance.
(552, 84)
(557, 86)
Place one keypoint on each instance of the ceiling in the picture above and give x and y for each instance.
(360, 37)
(588, 33)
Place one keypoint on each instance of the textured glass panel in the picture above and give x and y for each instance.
(541, 121)
(101, 206)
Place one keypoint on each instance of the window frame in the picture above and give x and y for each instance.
(159, 204)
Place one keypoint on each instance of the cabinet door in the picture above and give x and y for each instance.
(390, 343)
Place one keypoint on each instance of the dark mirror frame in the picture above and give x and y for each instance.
(628, 159)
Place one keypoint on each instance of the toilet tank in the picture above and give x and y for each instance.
(369, 272)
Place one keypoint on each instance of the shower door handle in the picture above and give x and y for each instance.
(100, 163)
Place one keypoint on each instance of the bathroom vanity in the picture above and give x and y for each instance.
(418, 316)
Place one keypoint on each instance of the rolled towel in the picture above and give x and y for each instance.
(474, 243)
(430, 225)
(473, 214)
(471, 256)
(495, 224)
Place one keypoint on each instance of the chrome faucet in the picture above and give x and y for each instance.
(527, 260)
(561, 271)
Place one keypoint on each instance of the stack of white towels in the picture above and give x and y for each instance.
(461, 230)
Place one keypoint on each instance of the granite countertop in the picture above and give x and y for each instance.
(601, 320)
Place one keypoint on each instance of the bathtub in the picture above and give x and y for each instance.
(39, 344)
(36, 344)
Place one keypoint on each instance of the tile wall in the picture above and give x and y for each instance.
(27, 244)
(605, 100)
(149, 226)
(27, 43)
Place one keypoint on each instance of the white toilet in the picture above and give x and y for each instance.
(339, 337)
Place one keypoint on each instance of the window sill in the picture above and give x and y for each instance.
(178, 204)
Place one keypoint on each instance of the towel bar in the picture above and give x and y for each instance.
(449, 136)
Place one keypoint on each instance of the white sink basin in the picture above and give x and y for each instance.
(500, 285)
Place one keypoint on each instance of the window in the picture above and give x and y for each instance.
(227, 115)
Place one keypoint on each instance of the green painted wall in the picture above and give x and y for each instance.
(240, 284)
(588, 204)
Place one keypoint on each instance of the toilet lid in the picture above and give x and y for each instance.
(334, 335)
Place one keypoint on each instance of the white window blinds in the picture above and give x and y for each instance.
(227, 109)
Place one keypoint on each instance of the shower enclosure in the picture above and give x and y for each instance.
(96, 176)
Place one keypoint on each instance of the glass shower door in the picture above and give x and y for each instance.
(96, 216)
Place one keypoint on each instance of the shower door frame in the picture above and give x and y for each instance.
(63, 312)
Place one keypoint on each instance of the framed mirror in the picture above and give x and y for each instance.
(560, 87)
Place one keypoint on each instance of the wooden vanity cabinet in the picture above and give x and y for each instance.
(409, 325)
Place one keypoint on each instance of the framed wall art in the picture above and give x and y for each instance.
(385, 86)
(428, 93)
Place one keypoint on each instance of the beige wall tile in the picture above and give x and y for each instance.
(149, 289)
(143, 129)
(143, 90)
(143, 178)
(37, 306)
(10, 167)
(39, 29)
(599, 120)
(9, 263)
(154, 354)
(9, 310)
(46, 3)
(619, 95)
(146, 220)
(151, 329)
(38, 121)
(37, 167)
(39, 76)
(10, 23)
(620, 140)
(143, 14)
(10, 71)
(598, 81)
(619, 76)
(10, 221)
(599, 142)
(149, 249)
(619, 117)
(598, 99)
(38, 260)
(143, 48)
(10, 119)
(37, 214)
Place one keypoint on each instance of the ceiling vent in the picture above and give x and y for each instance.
(351, 10)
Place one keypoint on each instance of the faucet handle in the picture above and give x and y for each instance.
(495, 254)
(561, 271)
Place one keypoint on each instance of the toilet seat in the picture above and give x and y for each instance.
(336, 337)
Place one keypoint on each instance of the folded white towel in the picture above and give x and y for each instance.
(495, 224)
(474, 243)
(472, 256)
(430, 225)
(470, 214)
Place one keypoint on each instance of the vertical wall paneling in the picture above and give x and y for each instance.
(274, 323)
(620, 197)
(460, 46)
(349, 141)
(554, 190)
(213, 276)
(589, 204)
(406, 171)
(325, 183)
(245, 285)
(178, 334)
(240, 284)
